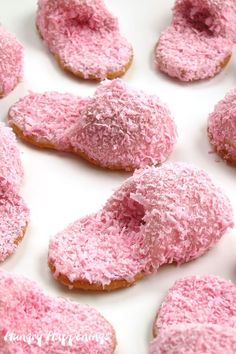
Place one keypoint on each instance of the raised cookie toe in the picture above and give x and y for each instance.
(198, 299)
(199, 42)
(131, 129)
(85, 38)
(46, 119)
(173, 213)
(195, 338)
(11, 62)
(222, 128)
(84, 329)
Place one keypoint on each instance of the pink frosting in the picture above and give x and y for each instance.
(222, 127)
(173, 213)
(25, 310)
(192, 339)
(10, 163)
(13, 218)
(85, 35)
(119, 127)
(11, 62)
(199, 39)
(198, 299)
(48, 118)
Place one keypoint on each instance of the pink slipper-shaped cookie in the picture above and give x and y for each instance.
(119, 128)
(170, 214)
(11, 62)
(195, 339)
(34, 323)
(204, 299)
(222, 128)
(13, 212)
(199, 42)
(84, 37)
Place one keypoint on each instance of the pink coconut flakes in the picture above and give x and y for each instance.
(198, 299)
(199, 41)
(222, 127)
(85, 36)
(11, 62)
(173, 213)
(195, 338)
(25, 310)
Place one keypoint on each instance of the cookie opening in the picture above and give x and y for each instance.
(81, 17)
(130, 214)
(84, 16)
(200, 19)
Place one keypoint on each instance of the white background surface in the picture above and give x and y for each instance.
(60, 188)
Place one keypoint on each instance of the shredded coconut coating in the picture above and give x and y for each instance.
(194, 338)
(119, 128)
(85, 37)
(198, 299)
(14, 216)
(25, 310)
(199, 42)
(10, 167)
(172, 213)
(222, 127)
(11, 62)
(47, 118)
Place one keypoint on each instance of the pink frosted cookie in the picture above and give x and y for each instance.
(198, 299)
(34, 323)
(119, 128)
(173, 213)
(199, 42)
(222, 128)
(195, 339)
(84, 37)
(11, 62)
(10, 163)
